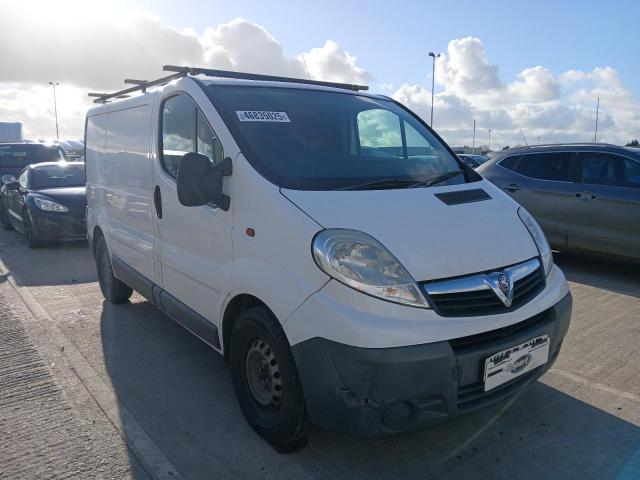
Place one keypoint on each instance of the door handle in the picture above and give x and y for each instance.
(586, 196)
(512, 187)
(157, 201)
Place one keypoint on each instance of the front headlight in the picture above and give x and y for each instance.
(361, 262)
(49, 206)
(539, 239)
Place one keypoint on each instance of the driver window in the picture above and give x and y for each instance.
(417, 145)
(178, 131)
(379, 133)
(207, 141)
(186, 130)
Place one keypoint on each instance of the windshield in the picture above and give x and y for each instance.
(21, 155)
(58, 176)
(314, 140)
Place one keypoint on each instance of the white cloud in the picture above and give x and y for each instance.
(96, 52)
(552, 107)
(88, 52)
(333, 63)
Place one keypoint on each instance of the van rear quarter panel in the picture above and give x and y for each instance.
(95, 149)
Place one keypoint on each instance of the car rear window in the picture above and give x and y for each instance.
(19, 156)
(545, 166)
(58, 176)
(633, 172)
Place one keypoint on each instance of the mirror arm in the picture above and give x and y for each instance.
(214, 178)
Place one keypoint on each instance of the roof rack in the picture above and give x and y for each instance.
(256, 76)
(142, 85)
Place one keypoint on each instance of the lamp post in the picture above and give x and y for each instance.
(489, 139)
(473, 145)
(433, 82)
(55, 107)
(595, 135)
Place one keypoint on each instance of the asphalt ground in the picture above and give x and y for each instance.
(165, 401)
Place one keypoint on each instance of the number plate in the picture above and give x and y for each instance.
(515, 361)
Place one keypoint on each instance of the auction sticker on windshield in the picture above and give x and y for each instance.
(262, 116)
(515, 361)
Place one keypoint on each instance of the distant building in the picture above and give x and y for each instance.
(469, 150)
(10, 132)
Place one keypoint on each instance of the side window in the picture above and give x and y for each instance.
(602, 169)
(22, 179)
(511, 162)
(379, 133)
(186, 130)
(207, 141)
(545, 166)
(417, 145)
(632, 168)
(178, 131)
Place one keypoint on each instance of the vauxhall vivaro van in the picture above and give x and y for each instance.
(352, 271)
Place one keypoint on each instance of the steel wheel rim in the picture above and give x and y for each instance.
(263, 375)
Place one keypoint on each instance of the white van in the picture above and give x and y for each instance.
(352, 271)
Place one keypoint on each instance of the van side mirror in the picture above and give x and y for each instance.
(200, 182)
(12, 185)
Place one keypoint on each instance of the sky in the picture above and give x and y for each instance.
(536, 66)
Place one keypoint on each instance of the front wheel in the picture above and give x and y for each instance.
(4, 218)
(266, 380)
(113, 290)
(32, 240)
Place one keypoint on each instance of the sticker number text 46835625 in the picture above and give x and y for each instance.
(262, 116)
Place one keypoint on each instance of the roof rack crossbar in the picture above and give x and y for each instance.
(138, 85)
(256, 76)
(142, 85)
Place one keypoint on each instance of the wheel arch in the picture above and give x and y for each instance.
(95, 236)
(238, 304)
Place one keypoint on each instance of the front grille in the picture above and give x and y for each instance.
(458, 345)
(485, 301)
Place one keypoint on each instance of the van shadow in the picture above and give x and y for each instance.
(52, 264)
(601, 272)
(181, 393)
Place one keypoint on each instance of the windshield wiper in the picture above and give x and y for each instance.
(381, 184)
(388, 183)
(436, 180)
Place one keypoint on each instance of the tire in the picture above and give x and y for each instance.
(32, 240)
(113, 290)
(266, 380)
(4, 218)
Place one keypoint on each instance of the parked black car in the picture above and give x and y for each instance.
(586, 197)
(47, 203)
(15, 156)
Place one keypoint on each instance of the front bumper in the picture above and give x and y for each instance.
(54, 226)
(373, 392)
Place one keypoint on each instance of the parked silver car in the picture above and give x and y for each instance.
(585, 196)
